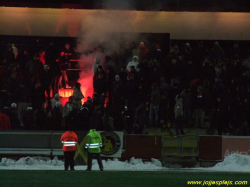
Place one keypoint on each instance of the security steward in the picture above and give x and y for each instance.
(93, 144)
(69, 140)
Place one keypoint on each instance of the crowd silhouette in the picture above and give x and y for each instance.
(139, 86)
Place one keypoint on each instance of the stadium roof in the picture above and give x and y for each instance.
(144, 5)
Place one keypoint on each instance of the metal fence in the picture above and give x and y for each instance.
(180, 145)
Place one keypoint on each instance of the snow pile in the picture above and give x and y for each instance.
(32, 163)
(231, 163)
(45, 163)
(234, 162)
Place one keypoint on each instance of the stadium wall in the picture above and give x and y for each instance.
(75, 22)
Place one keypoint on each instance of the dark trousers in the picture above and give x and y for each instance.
(90, 158)
(55, 85)
(179, 125)
(47, 91)
(69, 159)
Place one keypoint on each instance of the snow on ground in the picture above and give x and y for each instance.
(232, 163)
(45, 163)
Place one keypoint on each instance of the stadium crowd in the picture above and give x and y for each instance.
(136, 87)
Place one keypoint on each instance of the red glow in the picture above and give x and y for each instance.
(86, 81)
(86, 89)
(65, 92)
(63, 100)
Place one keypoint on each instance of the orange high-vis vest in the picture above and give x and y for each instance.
(69, 140)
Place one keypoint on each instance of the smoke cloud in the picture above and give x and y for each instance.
(103, 28)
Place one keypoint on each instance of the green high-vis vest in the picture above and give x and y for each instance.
(94, 142)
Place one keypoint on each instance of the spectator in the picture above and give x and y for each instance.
(143, 52)
(56, 76)
(187, 52)
(218, 88)
(45, 79)
(108, 120)
(220, 69)
(63, 63)
(134, 63)
(99, 70)
(68, 52)
(72, 119)
(68, 107)
(9, 56)
(89, 104)
(35, 47)
(96, 121)
(55, 99)
(110, 79)
(156, 52)
(208, 70)
(23, 96)
(217, 53)
(56, 116)
(22, 60)
(15, 122)
(118, 107)
(123, 74)
(235, 69)
(247, 62)
(15, 50)
(117, 93)
(68, 55)
(107, 62)
(38, 97)
(96, 64)
(143, 91)
(100, 85)
(83, 117)
(199, 103)
(34, 66)
(221, 119)
(165, 93)
(154, 75)
(241, 116)
(186, 100)
(174, 50)
(51, 56)
(173, 72)
(28, 118)
(200, 53)
(155, 98)
(131, 95)
(77, 95)
(140, 118)
(13, 84)
(234, 52)
(42, 119)
(41, 56)
(178, 110)
(4, 121)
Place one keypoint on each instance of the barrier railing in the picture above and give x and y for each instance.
(31, 143)
(180, 145)
(140, 146)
